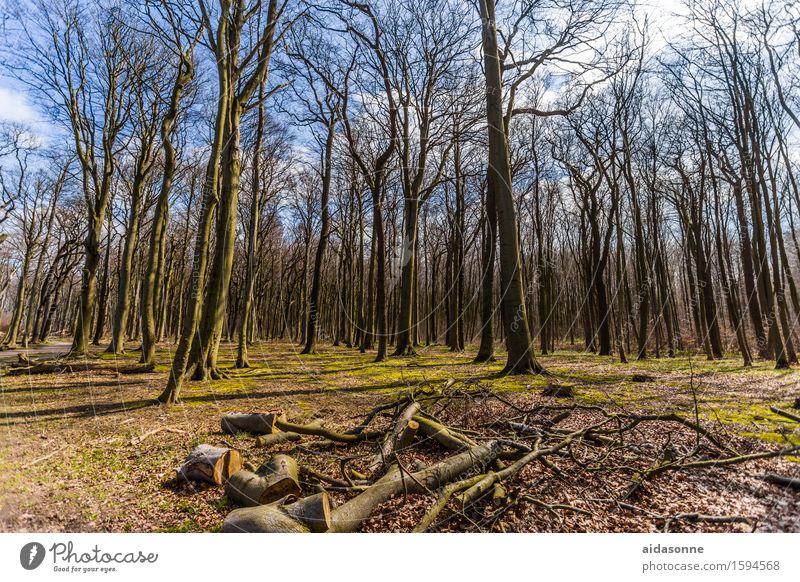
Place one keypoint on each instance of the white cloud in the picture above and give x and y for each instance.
(14, 106)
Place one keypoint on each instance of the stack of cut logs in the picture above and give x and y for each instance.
(270, 496)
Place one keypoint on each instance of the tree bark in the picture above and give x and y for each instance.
(518, 337)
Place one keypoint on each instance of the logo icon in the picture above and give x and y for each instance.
(31, 555)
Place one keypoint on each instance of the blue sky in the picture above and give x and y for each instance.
(17, 105)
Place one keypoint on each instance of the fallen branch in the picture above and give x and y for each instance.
(672, 417)
(698, 517)
(316, 429)
(639, 480)
(790, 482)
(43, 368)
(446, 437)
(553, 507)
(335, 483)
(277, 438)
(254, 423)
(479, 489)
(350, 516)
(785, 413)
(441, 501)
(401, 436)
(47, 456)
(140, 438)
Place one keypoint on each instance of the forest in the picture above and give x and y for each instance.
(400, 265)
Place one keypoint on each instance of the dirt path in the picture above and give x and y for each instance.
(48, 350)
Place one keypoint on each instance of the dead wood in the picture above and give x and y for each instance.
(139, 439)
(45, 368)
(401, 435)
(246, 488)
(789, 482)
(210, 464)
(277, 438)
(446, 437)
(785, 413)
(309, 514)
(350, 516)
(282, 478)
(253, 423)
(638, 481)
(316, 429)
(479, 482)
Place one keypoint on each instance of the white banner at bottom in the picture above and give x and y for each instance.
(423, 557)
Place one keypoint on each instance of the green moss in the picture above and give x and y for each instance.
(775, 437)
(735, 411)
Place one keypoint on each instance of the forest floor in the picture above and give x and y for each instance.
(78, 451)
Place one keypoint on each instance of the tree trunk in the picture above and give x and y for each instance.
(518, 337)
(316, 281)
(155, 265)
(486, 348)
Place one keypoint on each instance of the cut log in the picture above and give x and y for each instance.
(210, 464)
(406, 437)
(254, 423)
(247, 489)
(277, 438)
(400, 437)
(313, 511)
(281, 475)
(350, 516)
(261, 519)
